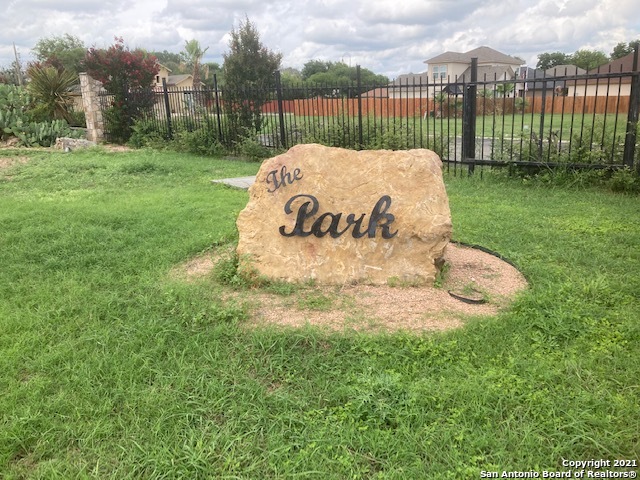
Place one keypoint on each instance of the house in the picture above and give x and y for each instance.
(534, 82)
(181, 81)
(564, 71)
(407, 85)
(410, 85)
(448, 71)
(487, 74)
(178, 102)
(603, 86)
(451, 67)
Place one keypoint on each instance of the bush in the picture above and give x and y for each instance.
(14, 103)
(44, 134)
(51, 91)
(625, 181)
(201, 141)
(77, 118)
(147, 133)
(252, 149)
(187, 137)
(346, 134)
(15, 121)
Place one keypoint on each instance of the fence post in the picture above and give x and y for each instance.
(632, 117)
(167, 108)
(359, 86)
(215, 89)
(92, 108)
(543, 111)
(469, 117)
(283, 135)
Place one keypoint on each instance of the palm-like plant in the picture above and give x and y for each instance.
(505, 89)
(192, 56)
(51, 91)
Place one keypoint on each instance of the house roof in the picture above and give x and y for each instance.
(411, 78)
(624, 64)
(164, 66)
(620, 65)
(382, 92)
(453, 89)
(176, 79)
(536, 79)
(484, 55)
(563, 70)
(449, 57)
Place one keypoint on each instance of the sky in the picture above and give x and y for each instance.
(389, 37)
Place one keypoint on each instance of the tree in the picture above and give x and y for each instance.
(623, 49)
(249, 68)
(64, 52)
(315, 66)
(550, 60)
(316, 71)
(170, 60)
(341, 75)
(192, 57)
(51, 90)
(589, 59)
(120, 69)
(210, 69)
(586, 59)
(291, 76)
(128, 76)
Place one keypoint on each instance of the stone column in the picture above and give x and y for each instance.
(92, 111)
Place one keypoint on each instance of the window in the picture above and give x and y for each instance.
(439, 72)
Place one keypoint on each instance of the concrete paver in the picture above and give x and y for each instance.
(239, 182)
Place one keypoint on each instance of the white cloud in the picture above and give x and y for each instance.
(386, 37)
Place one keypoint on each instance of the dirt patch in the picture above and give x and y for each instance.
(201, 265)
(475, 283)
(8, 162)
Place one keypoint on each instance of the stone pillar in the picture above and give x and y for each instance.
(92, 111)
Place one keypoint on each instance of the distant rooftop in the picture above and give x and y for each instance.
(483, 54)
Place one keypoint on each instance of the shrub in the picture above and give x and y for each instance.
(596, 144)
(252, 149)
(128, 76)
(624, 180)
(147, 133)
(188, 136)
(51, 91)
(77, 118)
(44, 134)
(201, 141)
(15, 120)
(14, 103)
(345, 133)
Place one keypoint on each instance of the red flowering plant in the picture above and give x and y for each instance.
(128, 76)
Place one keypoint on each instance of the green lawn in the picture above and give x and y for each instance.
(111, 368)
(561, 126)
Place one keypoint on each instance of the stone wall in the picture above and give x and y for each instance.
(91, 105)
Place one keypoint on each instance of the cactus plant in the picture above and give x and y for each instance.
(15, 121)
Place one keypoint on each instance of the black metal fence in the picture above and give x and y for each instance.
(535, 120)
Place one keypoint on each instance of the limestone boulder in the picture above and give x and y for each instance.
(341, 216)
(67, 144)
